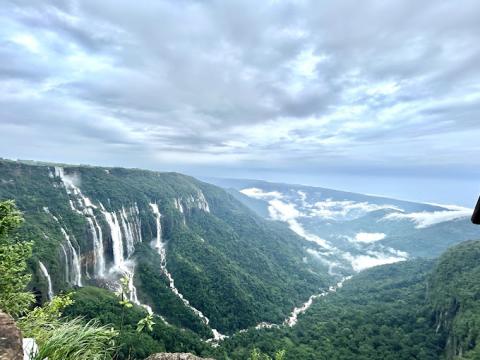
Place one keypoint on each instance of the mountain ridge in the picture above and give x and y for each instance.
(201, 237)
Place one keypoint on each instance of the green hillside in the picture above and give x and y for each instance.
(454, 293)
(233, 266)
(420, 309)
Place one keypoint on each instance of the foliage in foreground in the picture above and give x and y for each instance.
(77, 340)
(13, 263)
(57, 338)
(103, 305)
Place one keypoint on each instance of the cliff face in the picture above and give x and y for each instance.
(190, 250)
(454, 292)
(10, 339)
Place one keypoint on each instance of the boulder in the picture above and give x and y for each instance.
(175, 356)
(10, 339)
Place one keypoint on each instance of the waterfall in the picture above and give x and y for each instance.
(127, 230)
(178, 205)
(161, 250)
(132, 290)
(49, 280)
(84, 206)
(158, 243)
(202, 202)
(76, 268)
(73, 257)
(137, 223)
(199, 201)
(99, 258)
(117, 241)
(127, 220)
(67, 266)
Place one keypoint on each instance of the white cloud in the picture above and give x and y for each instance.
(285, 211)
(369, 237)
(27, 41)
(288, 212)
(298, 228)
(322, 258)
(362, 262)
(260, 194)
(425, 219)
(330, 209)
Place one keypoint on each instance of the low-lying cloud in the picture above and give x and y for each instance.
(368, 238)
(426, 219)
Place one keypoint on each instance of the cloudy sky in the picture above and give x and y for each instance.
(372, 96)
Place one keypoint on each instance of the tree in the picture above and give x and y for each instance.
(14, 299)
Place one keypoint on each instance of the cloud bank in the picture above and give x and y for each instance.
(244, 87)
(425, 219)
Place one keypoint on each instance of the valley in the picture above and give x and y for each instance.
(241, 265)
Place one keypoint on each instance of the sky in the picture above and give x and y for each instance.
(372, 96)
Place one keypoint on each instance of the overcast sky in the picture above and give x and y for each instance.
(372, 96)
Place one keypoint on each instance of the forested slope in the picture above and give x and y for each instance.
(91, 225)
(419, 309)
(454, 293)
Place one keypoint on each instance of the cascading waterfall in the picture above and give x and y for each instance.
(122, 265)
(137, 223)
(96, 231)
(76, 268)
(45, 273)
(178, 205)
(84, 206)
(125, 232)
(67, 266)
(161, 250)
(128, 221)
(71, 256)
(117, 241)
(158, 243)
(128, 231)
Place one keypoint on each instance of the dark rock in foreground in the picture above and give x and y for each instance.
(11, 339)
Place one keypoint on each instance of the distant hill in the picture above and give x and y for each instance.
(350, 231)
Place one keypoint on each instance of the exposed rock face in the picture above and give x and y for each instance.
(10, 339)
(175, 356)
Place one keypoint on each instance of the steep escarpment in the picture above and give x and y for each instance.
(454, 293)
(189, 250)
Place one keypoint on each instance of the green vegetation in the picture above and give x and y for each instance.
(153, 287)
(235, 267)
(13, 262)
(61, 339)
(454, 292)
(78, 340)
(57, 339)
(104, 306)
(258, 355)
(413, 310)
(379, 314)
